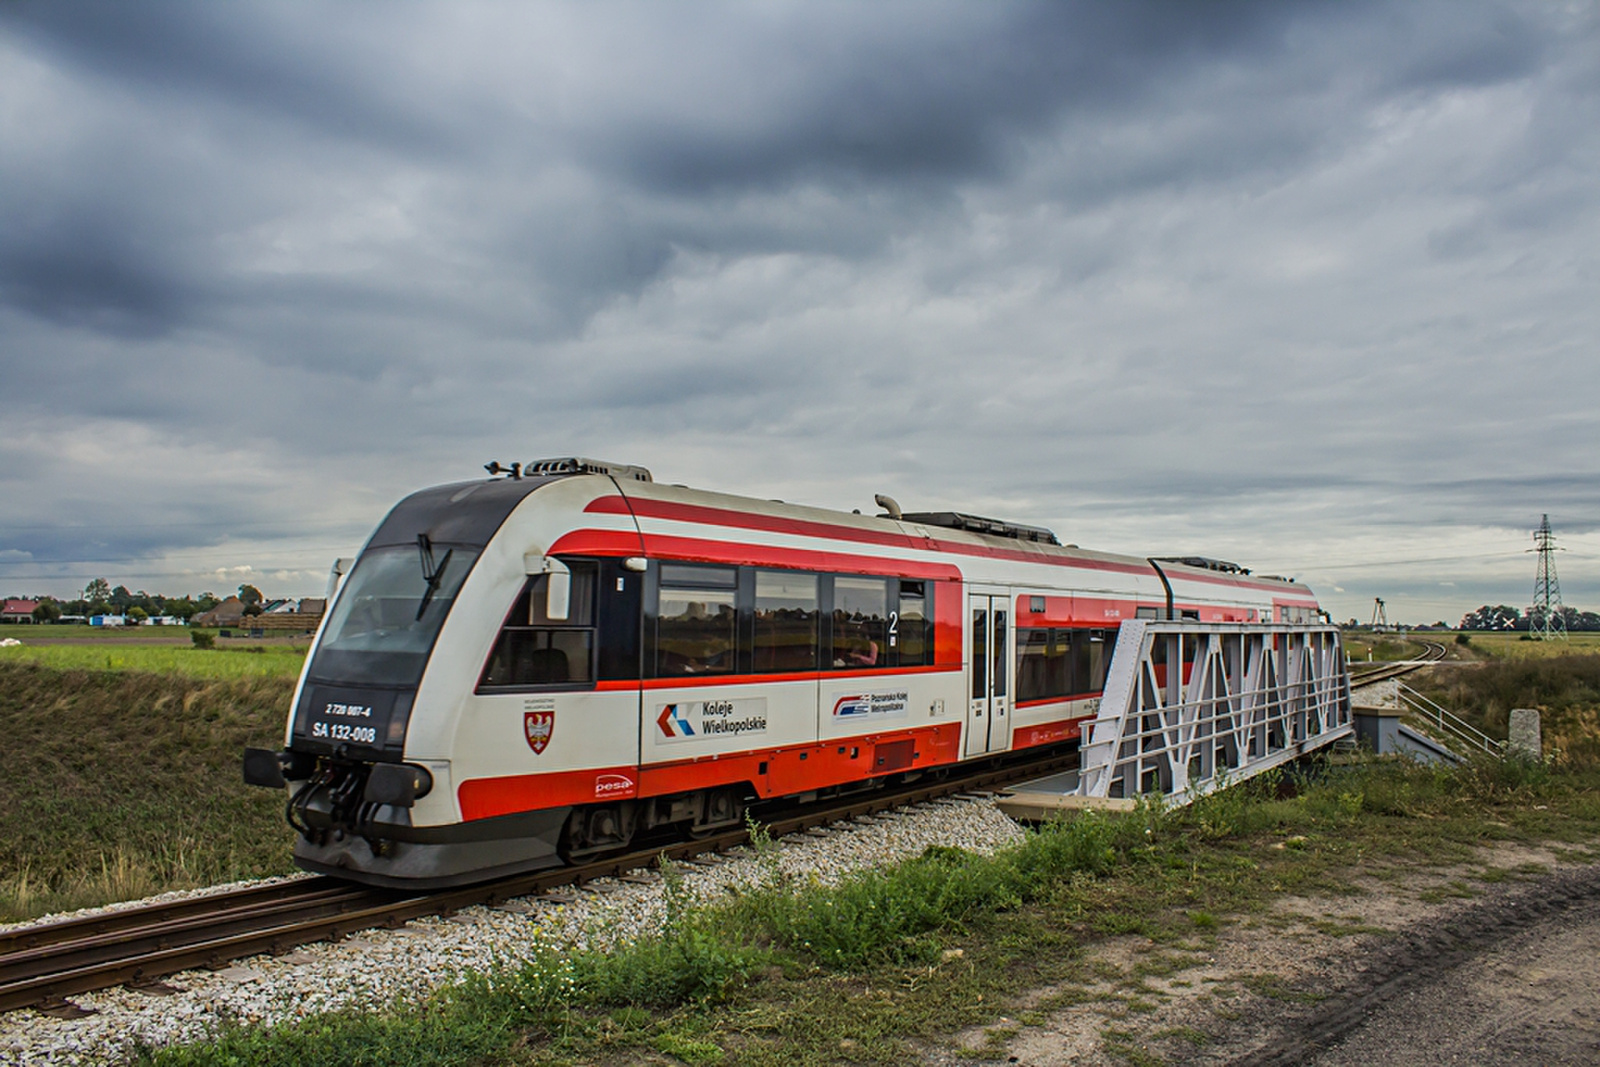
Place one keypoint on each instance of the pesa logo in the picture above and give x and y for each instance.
(538, 726)
(607, 785)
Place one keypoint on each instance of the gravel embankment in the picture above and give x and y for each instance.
(375, 967)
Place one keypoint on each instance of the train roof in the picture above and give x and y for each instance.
(951, 528)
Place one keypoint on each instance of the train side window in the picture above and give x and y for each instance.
(786, 618)
(534, 650)
(1097, 660)
(860, 622)
(911, 627)
(1033, 665)
(1079, 670)
(1060, 674)
(1000, 653)
(621, 599)
(697, 620)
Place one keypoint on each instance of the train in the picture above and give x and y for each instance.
(551, 663)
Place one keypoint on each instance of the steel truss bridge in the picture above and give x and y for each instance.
(1191, 707)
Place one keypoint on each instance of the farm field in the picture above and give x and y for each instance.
(153, 651)
(1480, 645)
(1512, 646)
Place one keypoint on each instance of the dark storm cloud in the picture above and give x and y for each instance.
(306, 64)
(1228, 274)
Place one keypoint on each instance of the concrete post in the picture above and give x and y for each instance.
(1524, 734)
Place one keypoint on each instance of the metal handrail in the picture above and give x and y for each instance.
(1447, 721)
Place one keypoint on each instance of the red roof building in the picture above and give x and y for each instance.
(15, 610)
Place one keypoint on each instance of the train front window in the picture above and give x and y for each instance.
(386, 618)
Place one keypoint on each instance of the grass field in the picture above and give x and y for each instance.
(1564, 688)
(1512, 646)
(1380, 648)
(119, 784)
(888, 965)
(166, 656)
(1480, 645)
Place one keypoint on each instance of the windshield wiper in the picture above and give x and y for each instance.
(431, 573)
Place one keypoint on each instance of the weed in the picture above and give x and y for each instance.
(1197, 1038)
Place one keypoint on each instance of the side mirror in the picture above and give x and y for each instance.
(558, 586)
(558, 598)
(336, 576)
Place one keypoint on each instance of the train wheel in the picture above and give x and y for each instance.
(723, 808)
(596, 829)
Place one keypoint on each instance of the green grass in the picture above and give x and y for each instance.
(118, 784)
(1511, 646)
(1384, 648)
(885, 966)
(253, 661)
(1565, 689)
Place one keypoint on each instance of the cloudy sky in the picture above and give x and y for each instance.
(1314, 287)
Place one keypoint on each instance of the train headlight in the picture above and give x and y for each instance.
(398, 784)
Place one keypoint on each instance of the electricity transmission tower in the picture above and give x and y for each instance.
(1380, 618)
(1548, 621)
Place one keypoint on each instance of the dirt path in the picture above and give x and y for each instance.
(1487, 963)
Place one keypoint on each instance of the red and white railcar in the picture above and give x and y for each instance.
(532, 668)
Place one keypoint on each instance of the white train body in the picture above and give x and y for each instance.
(597, 655)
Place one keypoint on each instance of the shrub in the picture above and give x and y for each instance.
(203, 638)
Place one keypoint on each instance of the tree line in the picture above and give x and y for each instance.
(99, 598)
(1507, 618)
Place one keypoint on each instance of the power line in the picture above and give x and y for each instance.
(1315, 567)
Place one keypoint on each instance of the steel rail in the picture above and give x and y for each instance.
(40, 966)
(298, 887)
(1433, 654)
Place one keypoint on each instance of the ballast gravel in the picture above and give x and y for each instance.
(376, 967)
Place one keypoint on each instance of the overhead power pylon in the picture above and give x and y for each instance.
(1380, 620)
(1548, 617)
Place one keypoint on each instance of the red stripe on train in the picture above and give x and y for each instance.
(701, 514)
(772, 772)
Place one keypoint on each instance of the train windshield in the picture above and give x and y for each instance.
(388, 614)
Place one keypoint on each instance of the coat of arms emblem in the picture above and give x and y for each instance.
(538, 725)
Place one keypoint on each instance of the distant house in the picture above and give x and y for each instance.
(282, 618)
(311, 605)
(16, 610)
(228, 613)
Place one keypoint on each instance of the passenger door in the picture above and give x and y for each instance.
(988, 673)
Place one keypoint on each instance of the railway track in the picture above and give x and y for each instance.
(1433, 652)
(43, 965)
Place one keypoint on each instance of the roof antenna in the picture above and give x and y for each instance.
(888, 504)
